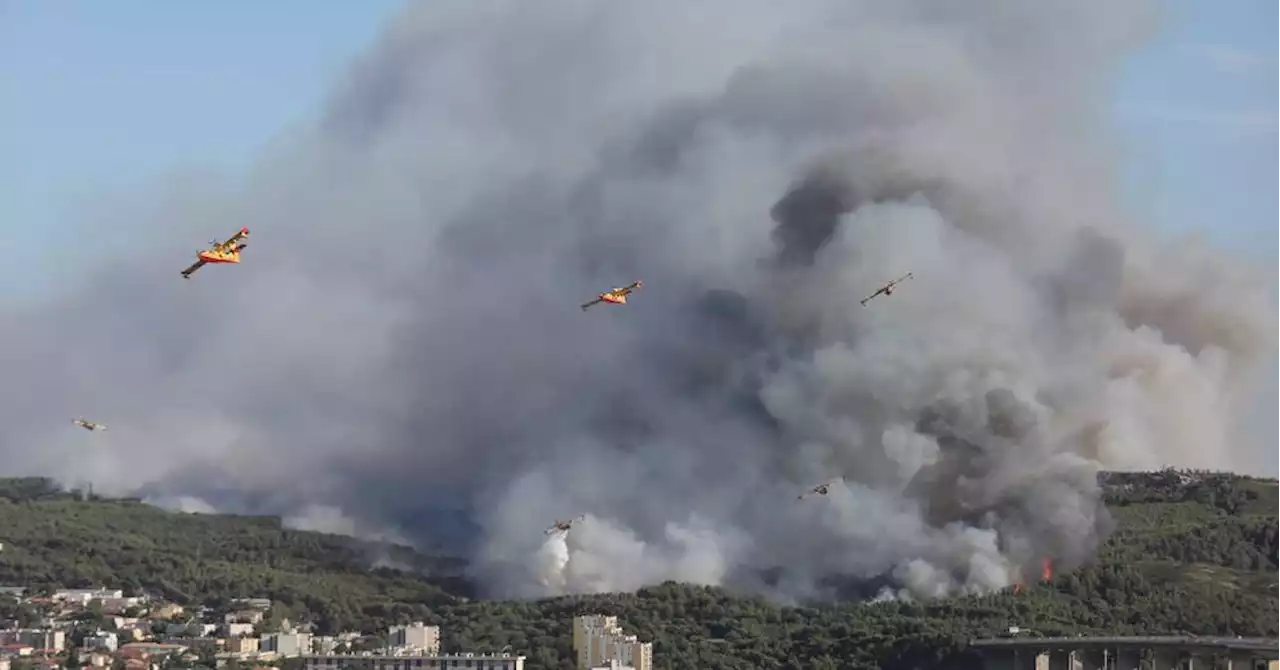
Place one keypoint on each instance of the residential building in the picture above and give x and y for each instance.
(286, 644)
(197, 645)
(241, 645)
(166, 611)
(244, 616)
(417, 637)
(102, 640)
(183, 628)
(598, 639)
(253, 603)
(119, 605)
(133, 632)
(83, 596)
(38, 638)
(432, 662)
(236, 629)
(615, 665)
(323, 645)
(147, 649)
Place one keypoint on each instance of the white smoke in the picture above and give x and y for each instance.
(405, 351)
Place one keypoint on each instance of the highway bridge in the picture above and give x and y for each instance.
(1128, 653)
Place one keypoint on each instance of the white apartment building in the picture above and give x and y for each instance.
(243, 616)
(83, 596)
(38, 638)
(237, 629)
(286, 644)
(433, 662)
(598, 639)
(417, 637)
(322, 645)
(101, 640)
(615, 665)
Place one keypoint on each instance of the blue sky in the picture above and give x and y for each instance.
(102, 96)
(1198, 109)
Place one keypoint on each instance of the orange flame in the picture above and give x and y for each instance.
(1046, 575)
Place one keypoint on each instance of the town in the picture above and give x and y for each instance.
(104, 628)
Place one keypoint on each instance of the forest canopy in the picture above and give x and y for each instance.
(1192, 553)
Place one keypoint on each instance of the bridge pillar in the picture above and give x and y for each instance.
(1032, 660)
(1000, 660)
(1090, 659)
(1127, 659)
(1164, 659)
(1241, 660)
(1015, 659)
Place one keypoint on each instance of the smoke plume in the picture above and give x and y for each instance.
(401, 354)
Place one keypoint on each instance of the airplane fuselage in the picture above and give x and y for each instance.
(220, 256)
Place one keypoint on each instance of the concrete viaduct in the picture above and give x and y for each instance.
(1128, 653)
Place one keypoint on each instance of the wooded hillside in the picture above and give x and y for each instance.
(1192, 553)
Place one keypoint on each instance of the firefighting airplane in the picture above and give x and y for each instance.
(820, 489)
(887, 289)
(617, 296)
(88, 425)
(219, 252)
(564, 526)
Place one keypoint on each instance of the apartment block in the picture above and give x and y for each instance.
(241, 645)
(417, 637)
(286, 644)
(599, 640)
(101, 640)
(433, 662)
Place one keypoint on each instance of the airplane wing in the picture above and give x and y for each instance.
(186, 274)
(868, 298)
(243, 232)
(586, 305)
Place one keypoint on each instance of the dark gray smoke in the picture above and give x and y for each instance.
(402, 353)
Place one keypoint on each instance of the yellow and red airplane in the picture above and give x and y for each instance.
(820, 489)
(564, 526)
(617, 296)
(219, 252)
(88, 425)
(887, 289)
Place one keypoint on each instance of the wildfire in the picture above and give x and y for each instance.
(1046, 574)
